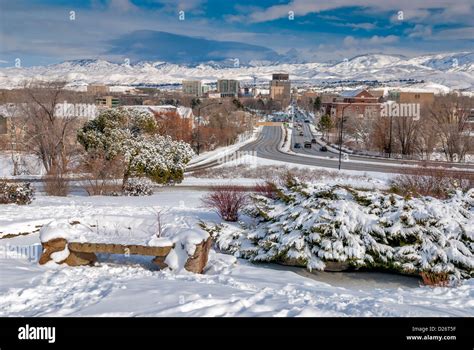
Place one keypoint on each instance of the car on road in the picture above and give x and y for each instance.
(306, 120)
(301, 133)
(307, 144)
(313, 140)
(297, 145)
(323, 149)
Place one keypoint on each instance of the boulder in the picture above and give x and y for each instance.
(195, 263)
(50, 247)
(80, 258)
(336, 266)
(198, 261)
(160, 261)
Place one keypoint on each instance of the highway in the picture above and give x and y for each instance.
(266, 146)
(315, 151)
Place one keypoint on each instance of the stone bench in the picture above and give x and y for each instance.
(80, 253)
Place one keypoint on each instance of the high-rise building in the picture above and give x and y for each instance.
(228, 87)
(280, 88)
(205, 89)
(107, 101)
(97, 89)
(192, 87)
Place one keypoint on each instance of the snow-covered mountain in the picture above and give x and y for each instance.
(446, 71)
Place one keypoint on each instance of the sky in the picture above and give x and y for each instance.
(39, 32)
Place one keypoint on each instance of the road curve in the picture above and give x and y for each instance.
(266, 146)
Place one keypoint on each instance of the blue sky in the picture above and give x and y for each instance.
(42, 32)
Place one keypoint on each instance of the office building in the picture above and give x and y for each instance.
(192, 88)
(228, 87)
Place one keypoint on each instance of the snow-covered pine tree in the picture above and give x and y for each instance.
(313, 225)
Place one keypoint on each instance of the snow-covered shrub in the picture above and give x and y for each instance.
(275, 173)
(267, 189)
(138, 187)
(227, 201)
(20, 194)
(101, 176)
(439, 279)
(438, 183)
(56, 182)
(313, 224)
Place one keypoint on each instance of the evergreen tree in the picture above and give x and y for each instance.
(131, 135)
(195, 102)
(324, 125)
(317, 104)
(312, 225)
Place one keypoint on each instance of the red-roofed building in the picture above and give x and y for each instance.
(355, 103)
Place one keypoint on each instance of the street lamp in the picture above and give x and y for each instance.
(198, 146)
(340, 136)
(390, 137)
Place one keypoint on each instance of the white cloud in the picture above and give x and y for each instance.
(455, 34)
(185, 5)
(122, 5)
(350, 41)
(420, 31)
(33, 30)
(412, 10)
(366, 26)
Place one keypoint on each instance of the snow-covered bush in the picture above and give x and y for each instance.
(20, 194)
(434, 182)
(267, 189)
(56, 182)
(138, 187)
(131, 136)
(314, 224)
(227, 201)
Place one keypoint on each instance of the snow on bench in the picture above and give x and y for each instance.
(76, 243)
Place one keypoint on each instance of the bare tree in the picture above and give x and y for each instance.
(427, 137)
(50, 136)
(405, 132)
(16, 123)
(450, 114)
(361, 129)
(380, 137)
(15, 134)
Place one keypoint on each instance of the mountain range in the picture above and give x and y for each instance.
(440, 71)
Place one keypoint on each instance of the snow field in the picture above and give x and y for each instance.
(133, 286)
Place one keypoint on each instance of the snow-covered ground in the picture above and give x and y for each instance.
(27, 165)
(374, 179)
(221, 154)
(133, 286)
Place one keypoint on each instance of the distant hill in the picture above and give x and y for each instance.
(450, 71)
